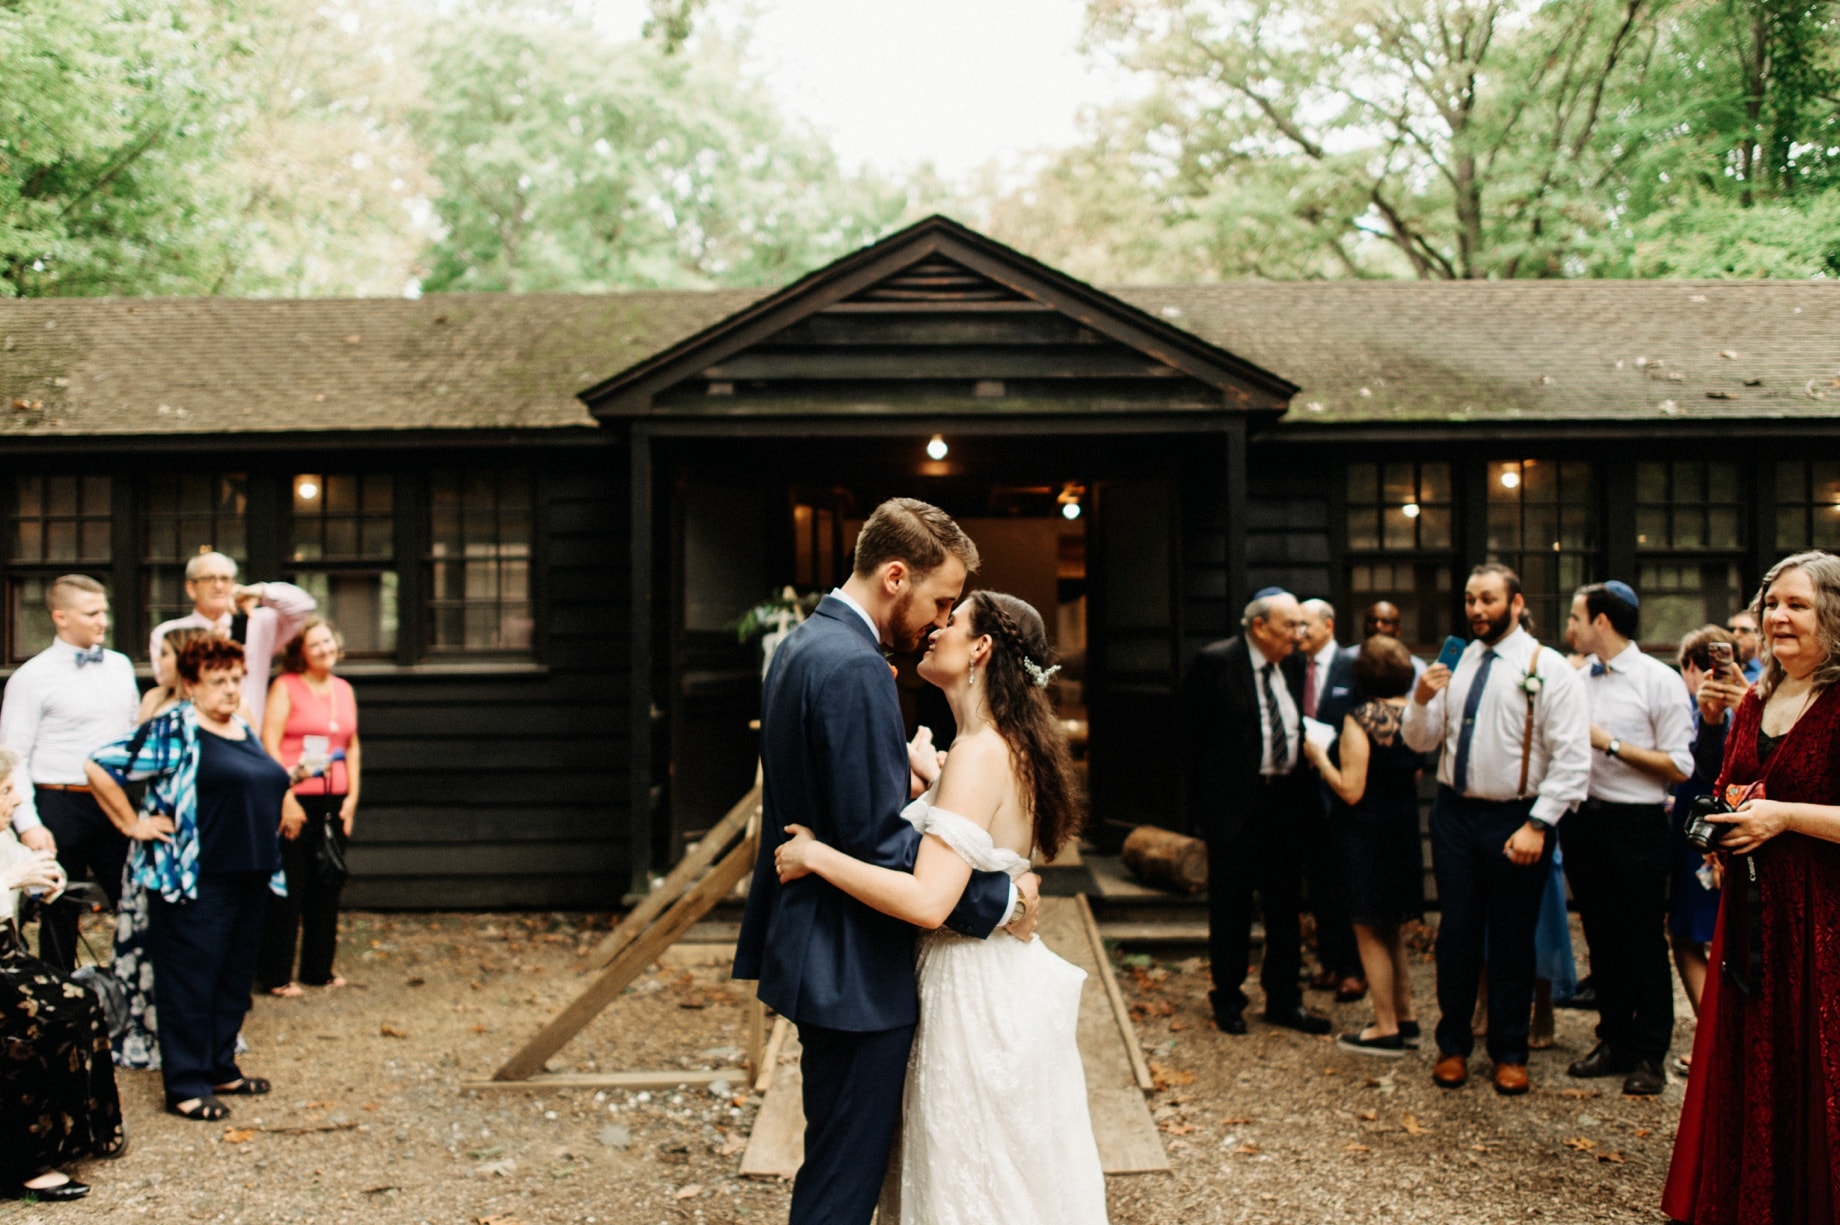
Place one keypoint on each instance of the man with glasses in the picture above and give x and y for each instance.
(261, 616)
(1743, 627)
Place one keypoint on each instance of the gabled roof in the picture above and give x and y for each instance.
(939, 265)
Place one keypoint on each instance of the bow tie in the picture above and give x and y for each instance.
(91, 656)
(1598, 669)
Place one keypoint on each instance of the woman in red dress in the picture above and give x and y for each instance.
(1759, 1139)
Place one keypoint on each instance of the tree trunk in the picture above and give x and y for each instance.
(1165, 859)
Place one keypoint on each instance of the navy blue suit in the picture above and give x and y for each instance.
(834, 759)
(1336, 695)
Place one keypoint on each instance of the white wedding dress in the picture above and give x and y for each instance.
(995, 1126)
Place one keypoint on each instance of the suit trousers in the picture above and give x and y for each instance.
(1484, 896)
(1265, 856)
(309, 915)
(88, 844)
(204, 963)
(1618, 858)
(852, 1094)
(1336, 949)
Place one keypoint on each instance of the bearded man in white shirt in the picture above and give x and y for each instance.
(1515, 731)
(1618, 855)
(261, 616)
(70, 699)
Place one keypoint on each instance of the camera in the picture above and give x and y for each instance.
(1702, 834)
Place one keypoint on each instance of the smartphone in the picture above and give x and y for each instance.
(1451, 652)
(1720, 653)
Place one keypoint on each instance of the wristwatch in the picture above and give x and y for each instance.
(1614, 748)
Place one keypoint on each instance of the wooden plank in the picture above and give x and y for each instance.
(769, 1060)
(1179, 931)
(776, 1146)
(1126, 1135)
(688, 868)
(1127, 1032)
(756, 1036)
(946, 362)
(627, 966)
(666, 1078)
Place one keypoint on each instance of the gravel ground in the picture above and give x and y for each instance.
(367, 1121)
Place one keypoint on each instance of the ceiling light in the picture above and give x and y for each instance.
(1409, 510)
(1070, 510)
(936, 448)
(1510, 479)
(307, 490)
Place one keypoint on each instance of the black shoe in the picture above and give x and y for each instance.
(1299, 1018)
(1601, 1062)
(64, 1192)
(1409, 1034)
(1229, 1016)
(1646, 1079)
(1583, 997)
(1390, 1046)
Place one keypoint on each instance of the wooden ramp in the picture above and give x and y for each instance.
(1116, 1076)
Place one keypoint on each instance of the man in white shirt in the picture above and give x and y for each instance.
(1618, 855)
(70, 699)
(1515, 731)
(261, 616)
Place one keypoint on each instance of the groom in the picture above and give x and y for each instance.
(834, 758)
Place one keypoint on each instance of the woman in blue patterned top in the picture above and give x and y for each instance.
(207, 850)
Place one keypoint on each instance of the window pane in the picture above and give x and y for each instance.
(378, 493)
(379, 537)
(1722, 483)
(1722, 527)
(95, 539)
(1689, 482)
(60, 495)
(1791, 528)
(1434, 528)
(1574, 528)
(1539, 526)
(29, 628)
(1505, 482)
(30, 493)
(1363, 529)
(1689, 527)
(1791, 482)
(341, 537)
(1400, 487)
(1651, 527)
(1539, 481)
(1651, 482)
(483, 517)
(29, 540)
(1363, 483)
(1826, 534)
(1434, 482)
(96, 495)
(1504, 526)
(61, 540)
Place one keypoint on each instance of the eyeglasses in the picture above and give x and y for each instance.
(215, 578)
(1742, 629)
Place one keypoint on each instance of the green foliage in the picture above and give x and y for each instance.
(565, 162)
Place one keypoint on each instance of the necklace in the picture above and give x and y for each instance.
(325, 700)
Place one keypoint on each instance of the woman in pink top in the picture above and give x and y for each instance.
(311, 727)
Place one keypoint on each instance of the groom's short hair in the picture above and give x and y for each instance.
(916, 532)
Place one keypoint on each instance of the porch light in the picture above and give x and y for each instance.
(1069, 498)
(1409, 510)
(307, 490)
(936, 448)
(1070, 511)
(1510, 479)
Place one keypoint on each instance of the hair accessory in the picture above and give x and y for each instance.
(1040, 675)
(1623, 591)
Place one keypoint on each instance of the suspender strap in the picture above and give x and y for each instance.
(1533, 672)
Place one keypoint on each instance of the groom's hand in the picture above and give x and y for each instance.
(1028, 894)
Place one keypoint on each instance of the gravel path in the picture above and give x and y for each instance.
(367, 1123)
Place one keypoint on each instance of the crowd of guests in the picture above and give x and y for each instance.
(212, 812)
(1697, 805)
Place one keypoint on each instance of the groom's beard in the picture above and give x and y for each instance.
(904, 638)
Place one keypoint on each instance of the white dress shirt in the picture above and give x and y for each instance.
(1644, 703)
(281, 610)
(1287, 711)
(1559, 770)
(56, 713)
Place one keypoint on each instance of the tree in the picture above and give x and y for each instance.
(566, 162)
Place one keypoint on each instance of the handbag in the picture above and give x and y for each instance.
(328, 855)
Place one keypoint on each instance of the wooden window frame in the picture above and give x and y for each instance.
(19, 570)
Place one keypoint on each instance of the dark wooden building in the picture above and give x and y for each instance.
(536, 517)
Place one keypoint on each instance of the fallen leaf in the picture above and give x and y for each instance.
(1356, 1148)
(1176, 1027)
(1369, 1116)
(1250, 1150)
(1643, 1133)
(1580, 1094)
(690, 1192)
(1581, 1143)
(390, 1031)
(1617, 1157)
(318, 1105)
(479, 1029)
(1162, 1076)
(239, 1135)
(1237, 1121)
(1413, 1126)
(498, 1220)
(370, 1106)
(1175, 1127)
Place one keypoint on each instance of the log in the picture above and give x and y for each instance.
(1167, 859)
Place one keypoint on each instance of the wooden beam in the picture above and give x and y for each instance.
(1237, 515)
(769, 1060)
(1140, 1069)
(666, 1078)
(993, 360)
(608, 984)
(692, 865)
(639, 661)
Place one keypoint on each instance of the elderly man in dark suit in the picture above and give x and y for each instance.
(1241, 715)
(834, 759)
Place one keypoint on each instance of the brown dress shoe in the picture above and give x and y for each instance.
(1511, 1079)
(1451, 1072)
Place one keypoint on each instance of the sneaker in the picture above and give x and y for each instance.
(1389, 1046)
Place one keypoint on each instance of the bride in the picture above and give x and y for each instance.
(995, 1125)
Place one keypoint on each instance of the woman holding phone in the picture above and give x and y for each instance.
(310, 726)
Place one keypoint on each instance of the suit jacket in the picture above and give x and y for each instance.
(834, 759)
(1338, 694)
(1223, 735)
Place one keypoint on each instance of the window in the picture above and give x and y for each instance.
(1399, 540)
(187, 514)
(478, 563)
(1689, 544)
(1807, 506)
(55, 525)
(1543, 523)
(342, 549)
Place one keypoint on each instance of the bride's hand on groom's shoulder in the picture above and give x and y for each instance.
(793, 858)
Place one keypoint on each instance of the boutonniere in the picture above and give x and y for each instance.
(1531, 684)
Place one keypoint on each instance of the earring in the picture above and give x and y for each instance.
(973, 678)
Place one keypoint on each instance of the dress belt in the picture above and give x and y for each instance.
(82, 788)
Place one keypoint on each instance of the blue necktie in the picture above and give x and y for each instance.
(1459, 773)
(91, 656)
(1599, 668)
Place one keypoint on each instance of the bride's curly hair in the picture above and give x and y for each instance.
(1025, 717)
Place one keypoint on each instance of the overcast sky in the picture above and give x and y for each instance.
(894, 83)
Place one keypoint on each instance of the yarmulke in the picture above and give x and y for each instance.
(1265, 593)
(1623, 591)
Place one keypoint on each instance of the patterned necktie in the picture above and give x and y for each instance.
(1599, 667)
(1459, 772)
(1280, 739)
(91, 656)
(1309, 688)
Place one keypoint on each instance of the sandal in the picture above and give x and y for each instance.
(245, 1086)
(206, 1109)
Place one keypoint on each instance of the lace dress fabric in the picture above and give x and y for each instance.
(1759, 1138)
(995, 1125)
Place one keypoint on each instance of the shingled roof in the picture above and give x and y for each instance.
(1362, 352)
